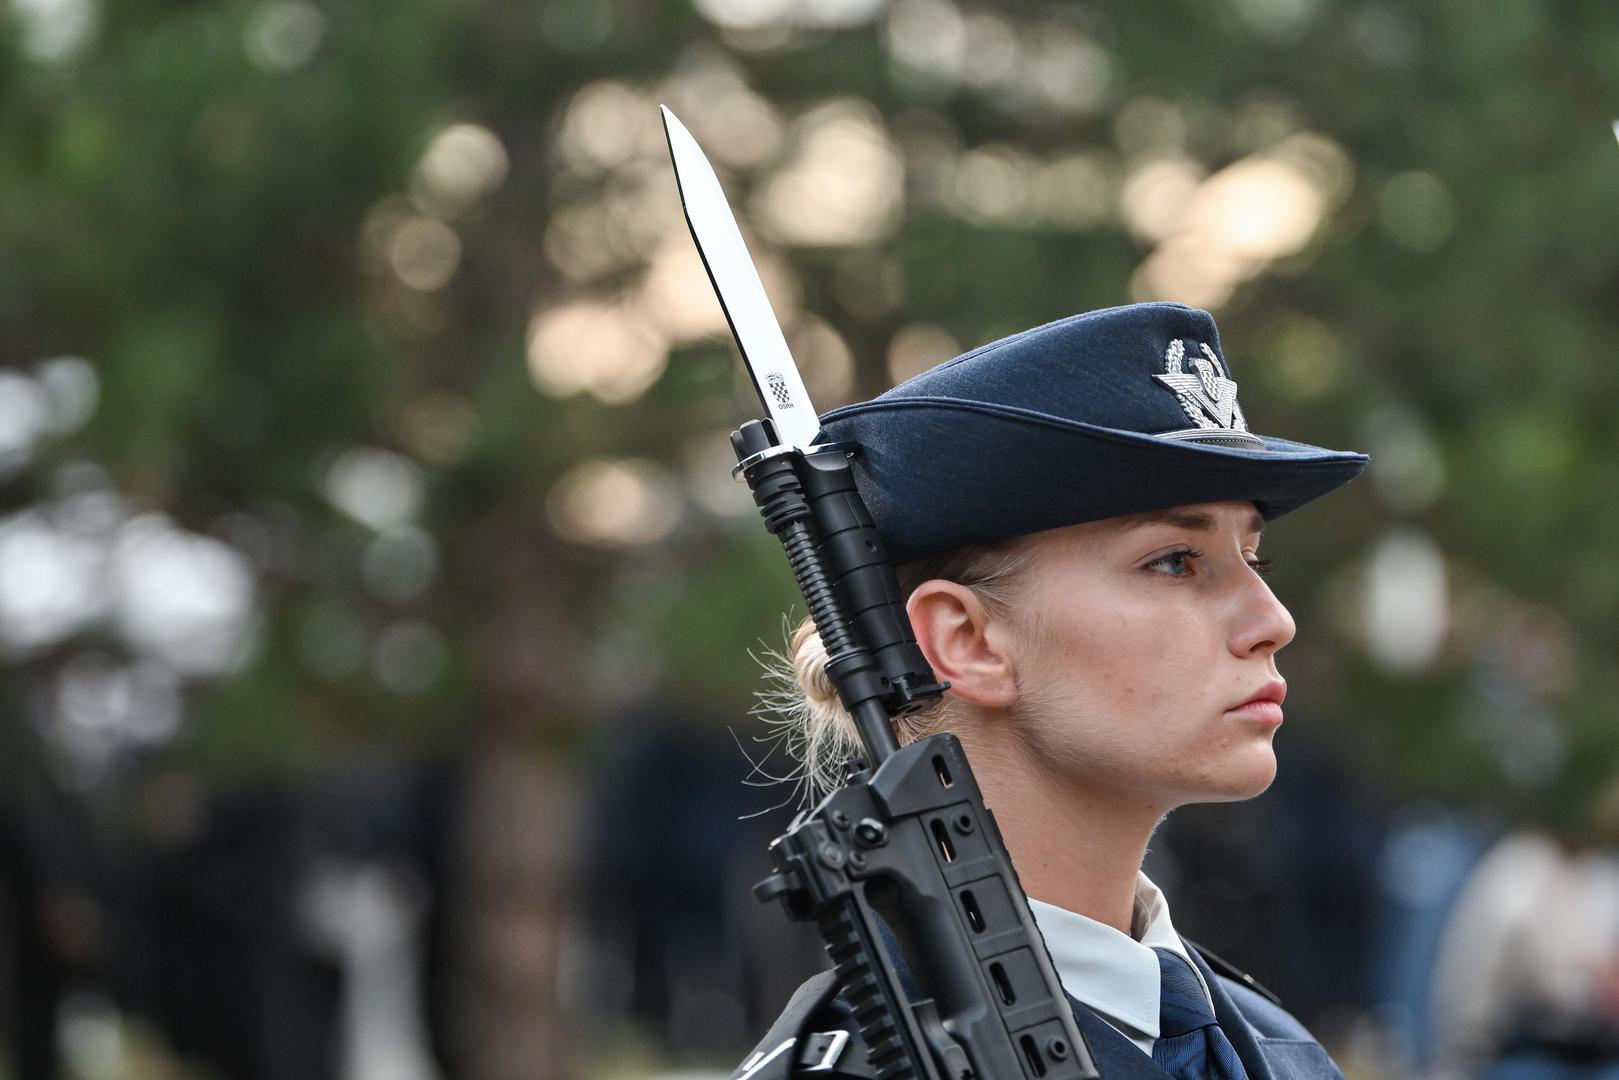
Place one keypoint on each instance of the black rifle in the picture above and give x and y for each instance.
(905, 849)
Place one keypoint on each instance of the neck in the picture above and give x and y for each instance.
(1076, 846)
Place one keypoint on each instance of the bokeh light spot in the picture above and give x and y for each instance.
(1150, 125)
(1417, 211)
(734, 125)
(23, 415)
(462, 164)
(824, 361)
(52, 582)
(285, 34)
(1074, 191)
(1407, 601)
(606, 125)
(844, 186)
(375, 487)
(1409, 473)
(1258, 209)
(615, 503)
(992, 185)
(1155, 195)
(424, 253)
(928, 36)
(676, 295)
(119, 702)
(1304, 357)
(918, 347)
(1279, 20)
(439, 427)
(56, 31)
(595, 347)
(181, 597)
(71, 391)
(708, 460)
(1231, 226)
(745, 14)
(993, 46)
(1072, 73)
(399, 564)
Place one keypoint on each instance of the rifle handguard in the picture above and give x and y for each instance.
(909, 855)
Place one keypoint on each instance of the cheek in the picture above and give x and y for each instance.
(1128, 668)
(1126, 692)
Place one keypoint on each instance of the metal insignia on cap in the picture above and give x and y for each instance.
(1208, 395)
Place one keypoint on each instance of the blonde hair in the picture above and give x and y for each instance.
(801, 702)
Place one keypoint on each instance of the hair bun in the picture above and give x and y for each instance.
(801, 703)
(826, 737)
(809, 668)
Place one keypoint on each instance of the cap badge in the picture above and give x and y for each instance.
(1207, 393)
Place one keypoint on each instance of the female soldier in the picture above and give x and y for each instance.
(1076, 514)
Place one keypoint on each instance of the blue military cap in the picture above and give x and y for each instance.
(1111, 412)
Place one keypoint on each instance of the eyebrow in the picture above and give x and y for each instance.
(1188, 519)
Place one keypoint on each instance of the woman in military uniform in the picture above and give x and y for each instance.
(1076, 514)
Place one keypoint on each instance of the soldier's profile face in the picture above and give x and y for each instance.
(1145, 655)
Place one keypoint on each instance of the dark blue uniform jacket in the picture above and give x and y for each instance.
(1272, 1044)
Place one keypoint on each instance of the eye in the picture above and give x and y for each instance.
(1175, 564)
(1260, 566)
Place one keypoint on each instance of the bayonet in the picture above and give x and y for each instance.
(741, 294)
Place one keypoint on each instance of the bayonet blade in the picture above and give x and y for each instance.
(742, 295)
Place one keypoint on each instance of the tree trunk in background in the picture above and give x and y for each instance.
(517, 847)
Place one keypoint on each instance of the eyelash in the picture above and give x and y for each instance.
(1259, 566)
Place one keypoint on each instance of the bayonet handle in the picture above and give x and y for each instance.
(779, 492)
(867, 590)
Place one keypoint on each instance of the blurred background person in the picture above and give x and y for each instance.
(1527, 982)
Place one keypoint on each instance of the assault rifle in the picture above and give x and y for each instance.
(902, 869)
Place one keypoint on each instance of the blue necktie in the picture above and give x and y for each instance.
(1190, 1044)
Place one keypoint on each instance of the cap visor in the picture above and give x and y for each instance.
(953, 473)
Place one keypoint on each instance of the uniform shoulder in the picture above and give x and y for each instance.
(814, 1033)
(1261, 1008)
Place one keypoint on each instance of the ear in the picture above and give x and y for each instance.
(963, 642)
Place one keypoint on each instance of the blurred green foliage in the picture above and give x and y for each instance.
(213, 204)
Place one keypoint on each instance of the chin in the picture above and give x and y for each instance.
(1254, 780)
(1239, 779)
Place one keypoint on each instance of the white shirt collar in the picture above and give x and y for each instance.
(1114, 974)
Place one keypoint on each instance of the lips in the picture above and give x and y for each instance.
(1265, 706)
(1274, 692)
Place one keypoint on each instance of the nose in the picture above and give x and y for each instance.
(1263, 625)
